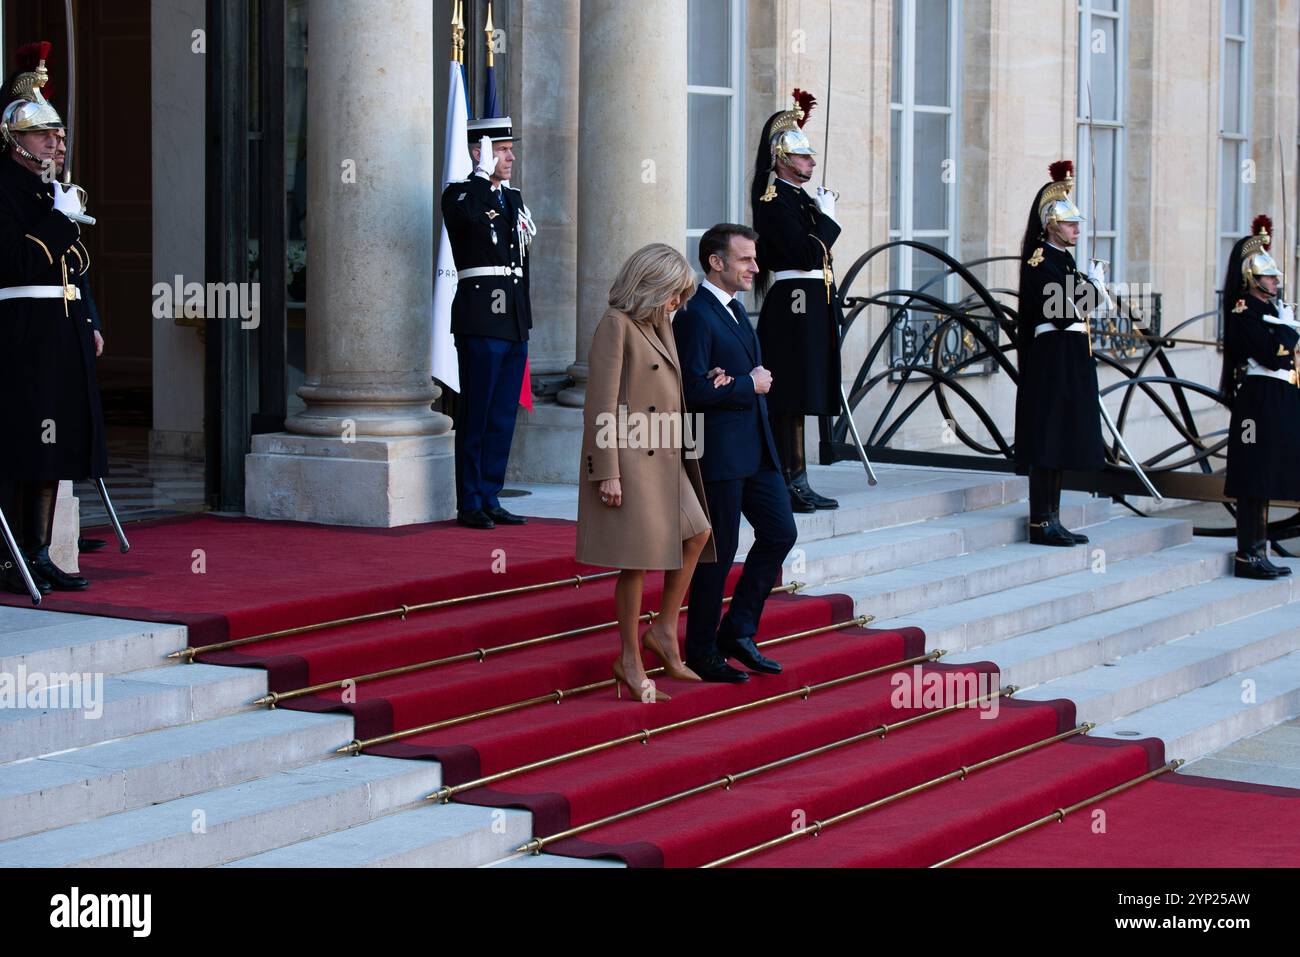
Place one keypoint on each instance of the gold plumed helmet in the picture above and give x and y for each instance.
(784, 135)
(1255, 259)
(28, 109)
(1055, 205)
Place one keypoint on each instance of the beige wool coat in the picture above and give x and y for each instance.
(633, 367)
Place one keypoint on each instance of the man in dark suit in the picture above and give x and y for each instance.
(740, 466)
(489, 228)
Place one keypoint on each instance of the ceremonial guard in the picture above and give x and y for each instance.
(1259, 381)
(799, 326)
(490, 230)
(51, 424)
(1058, 424)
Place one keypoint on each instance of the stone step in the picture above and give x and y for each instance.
(907, 591)
(1167, 672)
(431, 835)
(52, 642)
(1100, 638)
(970, 626)
(76, 714)
(859, 554)
(226, 824)
(1208, 718)
(81, 784)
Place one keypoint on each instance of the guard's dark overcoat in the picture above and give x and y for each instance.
(1058, 423)
(798, 329)
(51, 422)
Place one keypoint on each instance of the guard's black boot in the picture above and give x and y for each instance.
(58, 579)
(1044, 529)
(783, 433)
(799, 467)
(1056, 475)
(38, 503)
(11, 579)
(1246, 563)
(1261, 543)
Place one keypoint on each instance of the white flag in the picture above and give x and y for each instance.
(456, 167)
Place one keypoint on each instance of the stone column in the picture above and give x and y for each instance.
(632, 125)
(368, 449)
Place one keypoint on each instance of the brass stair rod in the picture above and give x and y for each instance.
(816, 827)
(536, 845)
(478, 654)
(401, 611)
(557, 696)
(446, 793)
(1060, 813)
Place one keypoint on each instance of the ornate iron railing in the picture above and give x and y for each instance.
(938, 343)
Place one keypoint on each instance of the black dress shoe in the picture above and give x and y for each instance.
(800, 482)
(475, 519)
(746, 652)
(90, 544)
(1050, 533)
(715, 668)
(56, 576)
(1250, 566)
(502, 517)
(11, 580)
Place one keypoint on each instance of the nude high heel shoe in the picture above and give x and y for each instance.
(621, 681)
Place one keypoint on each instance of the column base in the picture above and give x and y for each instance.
(67, 529)
(374, 482)
(547, 446)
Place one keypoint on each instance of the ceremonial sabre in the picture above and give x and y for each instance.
(7, 533)
(72, 109)
(857, 439)
(830, 54)
(1119, 439)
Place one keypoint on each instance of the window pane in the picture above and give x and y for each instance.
(708, 39)
(929, 192)
(1229, 173)
(1102, 69)
(1103, 249)
(708, 169)
(1232, 87)
(926, 268)
(895, 168)
(1225, 250)
(896, 54)
(1105, 142)
(693, 253)
(932, 52)
(1232, 16)
(896, 280)
(1103, 4)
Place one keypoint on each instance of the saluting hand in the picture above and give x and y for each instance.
(487, 157)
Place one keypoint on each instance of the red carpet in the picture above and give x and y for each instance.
(262, 577)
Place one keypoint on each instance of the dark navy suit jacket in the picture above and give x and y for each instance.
(736, 432)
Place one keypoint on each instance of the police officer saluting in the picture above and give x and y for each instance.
(1058, 424)
(799, 327)
(490, 229)
(1260, 334)
(51, 424)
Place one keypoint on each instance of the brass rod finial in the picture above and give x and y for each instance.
(442, 795)
(183, 653)
(352, 747)
(1009, 690)
(939, 653)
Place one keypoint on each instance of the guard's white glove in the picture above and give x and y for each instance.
(67, 200)
(1285, 312)
(487, 158)
(1097, 276)
(825, 201)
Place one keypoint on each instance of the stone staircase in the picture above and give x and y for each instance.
(1142, 628)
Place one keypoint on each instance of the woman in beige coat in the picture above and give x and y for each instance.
(640, 494)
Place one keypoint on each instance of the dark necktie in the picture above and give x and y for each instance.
(738, 311)
(501, 199)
